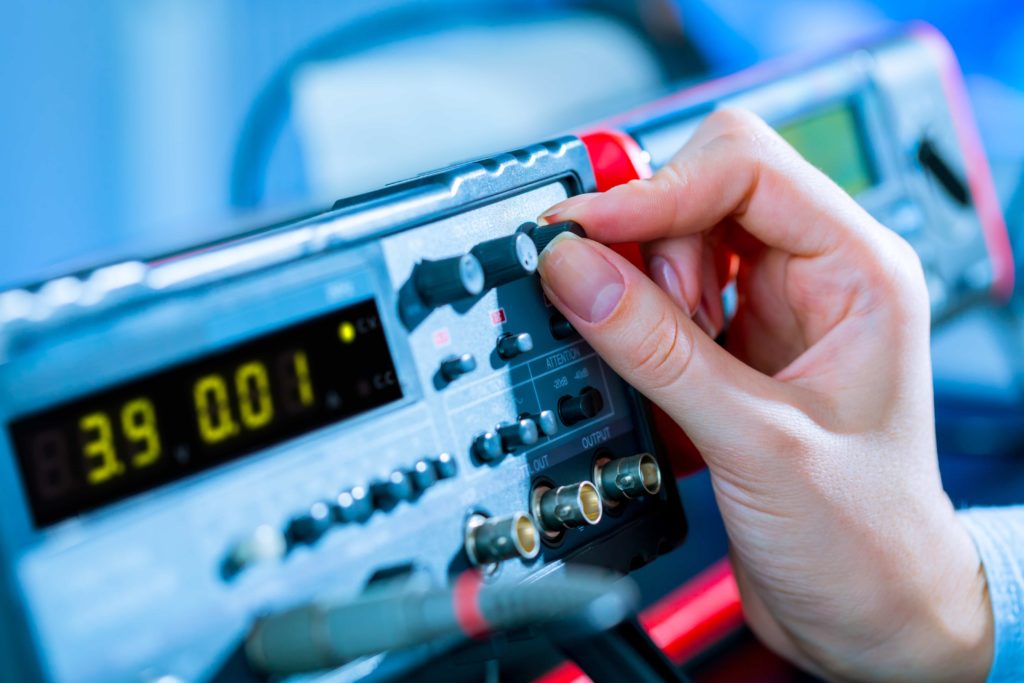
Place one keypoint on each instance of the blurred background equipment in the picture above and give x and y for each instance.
(150, 128)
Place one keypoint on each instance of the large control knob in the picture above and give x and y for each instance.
(506, 259)
(542, 235)
(451, 279)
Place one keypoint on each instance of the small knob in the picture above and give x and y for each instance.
(506, 259)
(488, 446)
(423, 475)
(451, 279)
(390, 492)
(307, 529)
(511, 345)
(520, 433)
(560, 327)
(445, 467)
(543, 235)
(546, 421)
(454, 367)
(353, 505)
(574, 409)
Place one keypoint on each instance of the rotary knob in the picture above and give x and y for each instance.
(543, 235)
(506, 259)
(451, 279)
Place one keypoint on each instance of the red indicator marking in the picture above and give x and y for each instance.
(498, 316)
(442, 337)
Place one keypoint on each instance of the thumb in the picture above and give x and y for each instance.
(721, 403)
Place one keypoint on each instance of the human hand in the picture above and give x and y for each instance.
(816, 423)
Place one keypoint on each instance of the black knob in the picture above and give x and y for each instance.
(560, 327)
(488, 446)
(547, 423)
(511, 345)
(393, 490)
(423, 475)
(454, 367)
(542, 235)
(444, 465)
(307, 529)
(575, 409)
(451, 279)
(520, 433)
(353, 505)
(506, 259)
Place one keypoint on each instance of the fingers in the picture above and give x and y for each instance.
(653, 345)
(734, 167)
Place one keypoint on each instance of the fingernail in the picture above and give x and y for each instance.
(703, 320)
(665, 276)
(581, 277)
(563, 206)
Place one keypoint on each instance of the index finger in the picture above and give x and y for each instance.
(734, 166)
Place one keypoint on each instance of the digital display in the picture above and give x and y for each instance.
(832, 140)
(170, 424)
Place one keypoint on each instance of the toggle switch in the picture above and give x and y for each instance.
(518, 434)
(448, 280)
(511, 345)
(506, 259)
(456, 366)
(575, 409)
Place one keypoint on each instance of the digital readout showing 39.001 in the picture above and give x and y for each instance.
(139, 435)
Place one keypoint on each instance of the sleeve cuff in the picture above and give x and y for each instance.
(998, 534)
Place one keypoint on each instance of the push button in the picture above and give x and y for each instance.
(561, 328)
(521, 433)
(390, 492)
(547, 423)
(487, 446)
(423, 475)
(511, 345)
(576, 409)
(353, 505)
(454, 367)
(445, 467)
(307, 529)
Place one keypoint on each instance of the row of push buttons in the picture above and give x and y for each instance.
(353, 505)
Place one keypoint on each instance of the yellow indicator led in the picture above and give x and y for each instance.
(347, 332)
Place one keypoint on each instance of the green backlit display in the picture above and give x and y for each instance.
(831, 140)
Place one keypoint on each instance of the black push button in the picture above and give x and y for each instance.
(560, 327)
(353, 505)
(576, 409)
(454, 367)
(488, 446)
(423, 475)
(511, 345)
(444, 465)
(308, 528)
(520, 433)
(393, 490)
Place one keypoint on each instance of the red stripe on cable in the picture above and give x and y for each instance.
(466, 603)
